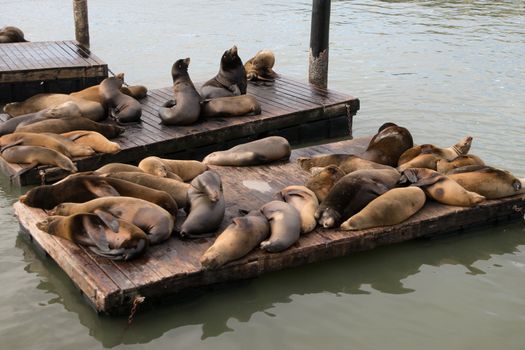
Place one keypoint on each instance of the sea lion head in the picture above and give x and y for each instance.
(11, 108)
(230, 59)
(180, 68)
(263, 59)
(111, 83)
(327, 217)
(463, 146)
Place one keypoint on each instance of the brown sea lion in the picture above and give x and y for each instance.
(63, 125)
(285, 226)
(388, 144)
(155, 221)
(352, 193)
(117, 168)
(176, 189)
(460, 148)
(94, 140)
(113, 239)
(487, 181)
(185, 170)
(10, 34)
(307, 163)
(123, 108)
(423, 160)
(238, 239)
(259, 67)
(232, 106)
(444, 166)
(36, 155)
(322, 182)
(257, 152)
(32, 139)
(82, 188)
(390, 208)
(138, 92)
(306, 203)
(186, 106)
(442, 188)
(92, 93)
(206, 205)
(74, 149)
(231, 79)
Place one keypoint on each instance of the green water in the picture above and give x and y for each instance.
(444, 69)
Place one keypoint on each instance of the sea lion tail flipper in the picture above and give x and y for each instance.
(12, 144)
(109, 219)
(102, 189)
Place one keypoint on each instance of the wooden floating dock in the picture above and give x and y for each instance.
(29, 68)
(174, 266)
(300, 112)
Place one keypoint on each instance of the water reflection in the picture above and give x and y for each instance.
(383, 269)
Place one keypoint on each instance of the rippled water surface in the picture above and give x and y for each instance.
(443, 69)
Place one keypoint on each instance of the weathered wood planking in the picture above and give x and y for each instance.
(49, 66)
(300, 112)
(174, 266)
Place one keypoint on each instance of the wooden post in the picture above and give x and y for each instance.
(318, 58)
(80, 12)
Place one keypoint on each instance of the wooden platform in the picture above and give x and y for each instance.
(30, 68)
(300, 112)
(174, 266)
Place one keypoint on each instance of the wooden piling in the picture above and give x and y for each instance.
(80, 12)
(318, 57)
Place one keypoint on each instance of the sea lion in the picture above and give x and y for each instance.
(352, 193)
(123, 108)
(92, 93)
(176, 189)
(231, 79)
(257, 152)
(63, 125)
(424, 160)
(74, 149)
(237, 240)
(206, 205)
(443, 166)
(487, 181)
(259, 67)
(117, 168)
(88, 109)
(184, 170)
(114, 239)
(442, 188)
(306, 203)
(32, 139)
(285, 226)
(390, 208)
(186, 106)
(460, 148)
(324, 160)
(138, 92)
(10, 34)
(322, 181)
(36, 155)
(82, 188)
(388, 144)
(155, 221)
(233, 106)
(94, 140)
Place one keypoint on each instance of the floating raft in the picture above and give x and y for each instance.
(29, 68)
(174, 266)
(300, 112)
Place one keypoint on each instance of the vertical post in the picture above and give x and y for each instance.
(80, 12)
(318, 58)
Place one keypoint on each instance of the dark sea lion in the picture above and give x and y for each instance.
(94, 140)
(82, 188)
(390, 208)
(257, 152)
(117, 168)
(231, 79)
(123, 108)
(185, 170)
(322, 181)
(186, 106)
(444, 166)
(259, 67)
(10, 34)
(424, 160)
(63, 125)
(285, 226)
(442, 188)
(388, 144)
(155, 221)
(306, 203)
(206, 205)
(32, 139)
(489, 182)
(176, 189)
(36, 155)
(460, 148)
(234, 106)
(352, 193)
(238, 239)
(114, 239)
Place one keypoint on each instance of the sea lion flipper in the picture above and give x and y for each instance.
(12, 144)
(169, 103)
(108, 219)
(96, 234)
(102, 189)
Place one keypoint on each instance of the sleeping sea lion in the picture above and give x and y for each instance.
(32, 139)
(36, 155)
(74, 149)
(92, 93)
(186, 106)
(238, 239)
(113, 239)
(117, 168)
(460, 148)
(322, 181)
(233, 106)
(444, 166)
(257, 152)
(125, 109)
(10, 34)
(231, 79)
(388, 144)
(324, 160)
(424, 160)
(285, 226)
(94, 140)
(259, 67)
(184, 170)
(306, 203)
(63, 125)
